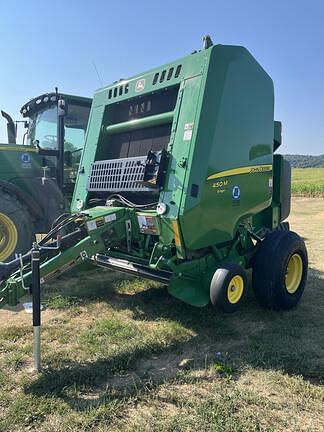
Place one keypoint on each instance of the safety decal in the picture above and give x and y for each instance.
(187, 135)
(110, 218)
(236, 192)
(25, 160)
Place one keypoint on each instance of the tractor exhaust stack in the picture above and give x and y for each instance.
(11, 128)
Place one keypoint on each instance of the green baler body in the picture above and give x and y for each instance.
(222, 121)
(212, 113)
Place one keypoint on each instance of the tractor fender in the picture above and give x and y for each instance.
(32, 206)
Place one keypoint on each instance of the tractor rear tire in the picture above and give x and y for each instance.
(280, 270)
(228, 287)
(16, 227)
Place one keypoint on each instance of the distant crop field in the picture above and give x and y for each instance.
(308, 182)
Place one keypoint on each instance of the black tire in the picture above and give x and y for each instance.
(275, 256)
(16, 227)
(221, 287)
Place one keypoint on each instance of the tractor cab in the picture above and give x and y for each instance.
(37, 174)
(56, 127)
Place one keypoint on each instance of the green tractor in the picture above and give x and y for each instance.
(180, 182)
(37, 177)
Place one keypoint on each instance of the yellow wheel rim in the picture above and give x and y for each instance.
(294, 273)
(235, 289)
(8, 237)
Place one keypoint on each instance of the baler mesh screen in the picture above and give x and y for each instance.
(118, 175)
(138, 142)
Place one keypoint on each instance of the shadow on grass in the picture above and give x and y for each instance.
(253, 337)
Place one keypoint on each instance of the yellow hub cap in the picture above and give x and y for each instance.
(8, 237)
(294, 273)
(235, 289)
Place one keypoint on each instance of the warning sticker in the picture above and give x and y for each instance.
(91, 225)
(110, 218)
(187, 135)
(147, 224)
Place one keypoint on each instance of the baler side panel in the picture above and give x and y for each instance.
(185, 132)
(88, 155)
(235, 132)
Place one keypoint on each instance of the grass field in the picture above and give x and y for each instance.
(308, 182)
(120, 354)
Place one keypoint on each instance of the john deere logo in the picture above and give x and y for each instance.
(140, 85)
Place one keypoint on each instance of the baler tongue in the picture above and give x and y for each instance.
(90, 234)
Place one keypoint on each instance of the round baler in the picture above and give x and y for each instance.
(179, 182)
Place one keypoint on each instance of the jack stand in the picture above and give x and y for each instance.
(35, 257)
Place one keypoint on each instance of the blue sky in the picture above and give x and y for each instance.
(55, 43)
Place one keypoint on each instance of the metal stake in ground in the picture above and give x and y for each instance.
(35, 255)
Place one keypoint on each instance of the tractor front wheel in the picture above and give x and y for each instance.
(280, 270)
(228, 287)
(16, 228)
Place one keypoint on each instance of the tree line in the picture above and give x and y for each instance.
(305, 161)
